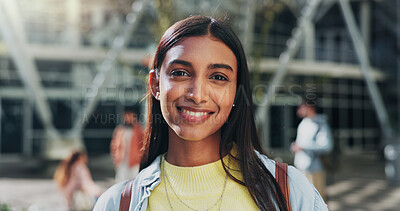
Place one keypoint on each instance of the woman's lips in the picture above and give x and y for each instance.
(194, 115)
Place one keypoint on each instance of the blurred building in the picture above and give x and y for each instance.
(71, 43)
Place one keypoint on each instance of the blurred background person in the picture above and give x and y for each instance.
(126, 147)
(75, 181)
(313, 140)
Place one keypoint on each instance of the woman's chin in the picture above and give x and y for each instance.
(193, 135)
(190, 136)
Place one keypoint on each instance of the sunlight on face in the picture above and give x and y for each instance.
(197, 87)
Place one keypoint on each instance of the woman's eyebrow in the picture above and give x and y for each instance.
(217, 66)
(182, 62)
(211, 66)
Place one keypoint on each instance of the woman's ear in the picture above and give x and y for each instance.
(154, 84)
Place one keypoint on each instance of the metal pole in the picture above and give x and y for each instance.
(293, 44)
(73, 15)
(398, 65)
(361, 52)
(26, 68)
(92, 96)
(365, 17)
(1, 115)
(248, 26)
(27, 128)
(309, 41)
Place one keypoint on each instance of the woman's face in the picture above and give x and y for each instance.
(197, 86)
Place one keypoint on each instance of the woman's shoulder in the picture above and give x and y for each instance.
(303, 195)
(146, 180)
(110, 199)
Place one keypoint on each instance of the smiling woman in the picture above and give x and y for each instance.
(196, 86)
(202, 150)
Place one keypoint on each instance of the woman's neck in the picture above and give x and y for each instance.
(193, 153)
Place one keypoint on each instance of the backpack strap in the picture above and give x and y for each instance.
(126, 196)
(316, 132)
(282, 178)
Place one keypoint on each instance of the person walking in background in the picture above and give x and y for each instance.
(313, 140)
(75, 181)
(126, 147)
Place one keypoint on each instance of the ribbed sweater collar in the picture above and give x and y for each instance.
(199, 180)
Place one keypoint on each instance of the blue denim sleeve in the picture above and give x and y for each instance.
(303, 195)
(319, 203)
(110, 200)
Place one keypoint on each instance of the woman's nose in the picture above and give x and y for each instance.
(197, 91)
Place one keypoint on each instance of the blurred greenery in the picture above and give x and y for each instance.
(5, 207)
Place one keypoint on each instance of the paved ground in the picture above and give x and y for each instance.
(359, 185)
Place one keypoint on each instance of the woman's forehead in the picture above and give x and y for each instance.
(201, 49)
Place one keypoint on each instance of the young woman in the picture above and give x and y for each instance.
(75, 181)
(202, 150)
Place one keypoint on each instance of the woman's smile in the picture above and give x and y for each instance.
(192, 115)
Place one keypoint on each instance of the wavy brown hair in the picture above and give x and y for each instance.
(239, 128)
(63, 171)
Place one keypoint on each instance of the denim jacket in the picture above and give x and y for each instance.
(303, 195)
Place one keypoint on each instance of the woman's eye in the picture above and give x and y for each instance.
(219, 77)
(179, 73)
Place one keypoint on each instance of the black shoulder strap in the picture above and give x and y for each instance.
(316, 133)
(282, 178)
(126, 196)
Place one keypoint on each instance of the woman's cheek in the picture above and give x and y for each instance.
(165, 90)
(169, 94)
(225, 98)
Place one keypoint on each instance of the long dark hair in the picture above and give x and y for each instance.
(240, 127)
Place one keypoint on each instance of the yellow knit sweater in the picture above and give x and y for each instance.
(200, 187)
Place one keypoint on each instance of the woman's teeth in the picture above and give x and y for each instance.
(196, 114)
